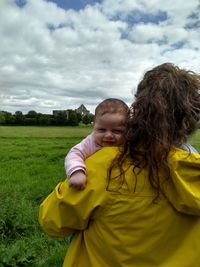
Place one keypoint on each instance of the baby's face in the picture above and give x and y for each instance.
(109, 129)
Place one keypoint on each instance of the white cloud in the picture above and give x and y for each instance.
(142, 33)
(51, 58)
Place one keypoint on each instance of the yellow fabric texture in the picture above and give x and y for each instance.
(122, 227)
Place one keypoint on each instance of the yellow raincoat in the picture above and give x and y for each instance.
(124, 228)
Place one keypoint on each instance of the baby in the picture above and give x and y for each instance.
(109, 130)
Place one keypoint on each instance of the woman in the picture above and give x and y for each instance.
(141, 205)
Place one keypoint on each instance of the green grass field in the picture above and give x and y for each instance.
(31, 165)
(34, 131)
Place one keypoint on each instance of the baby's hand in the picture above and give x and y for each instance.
(78, 180)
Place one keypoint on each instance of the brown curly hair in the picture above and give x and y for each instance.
(165, 112)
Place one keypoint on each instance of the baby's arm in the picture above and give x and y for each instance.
(74, 161)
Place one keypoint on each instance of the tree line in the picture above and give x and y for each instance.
(62, 118)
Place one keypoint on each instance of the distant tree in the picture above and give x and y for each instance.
(31, 114)
(43, 119)
(30, 121)
(19, 118)
(88, 119)
(2, 117)
(73, 118)
(9, 118)
(91, 117)
(61, 118)
(79, 117)
(52, 121)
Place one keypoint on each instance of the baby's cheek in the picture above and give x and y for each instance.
(97, 139)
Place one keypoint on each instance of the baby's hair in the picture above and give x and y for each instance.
(165, 112)
(111, 105)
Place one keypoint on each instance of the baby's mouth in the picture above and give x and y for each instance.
(109, 143)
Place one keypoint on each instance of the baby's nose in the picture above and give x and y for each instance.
(109, 134)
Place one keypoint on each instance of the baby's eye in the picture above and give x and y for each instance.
(101, 130)
(117, 131)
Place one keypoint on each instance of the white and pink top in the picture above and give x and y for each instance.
(74, 161)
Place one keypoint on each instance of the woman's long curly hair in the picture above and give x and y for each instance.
(165, 112)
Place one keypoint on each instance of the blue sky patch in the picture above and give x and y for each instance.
(178, 45)
(137, 17)
(194, 21)
(74, 4)
(52, 27)
(20, 3)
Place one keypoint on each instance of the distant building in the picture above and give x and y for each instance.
(82, 110)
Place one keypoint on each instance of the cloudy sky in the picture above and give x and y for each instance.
(59, 54)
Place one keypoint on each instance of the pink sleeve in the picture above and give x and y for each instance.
(75, 158)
